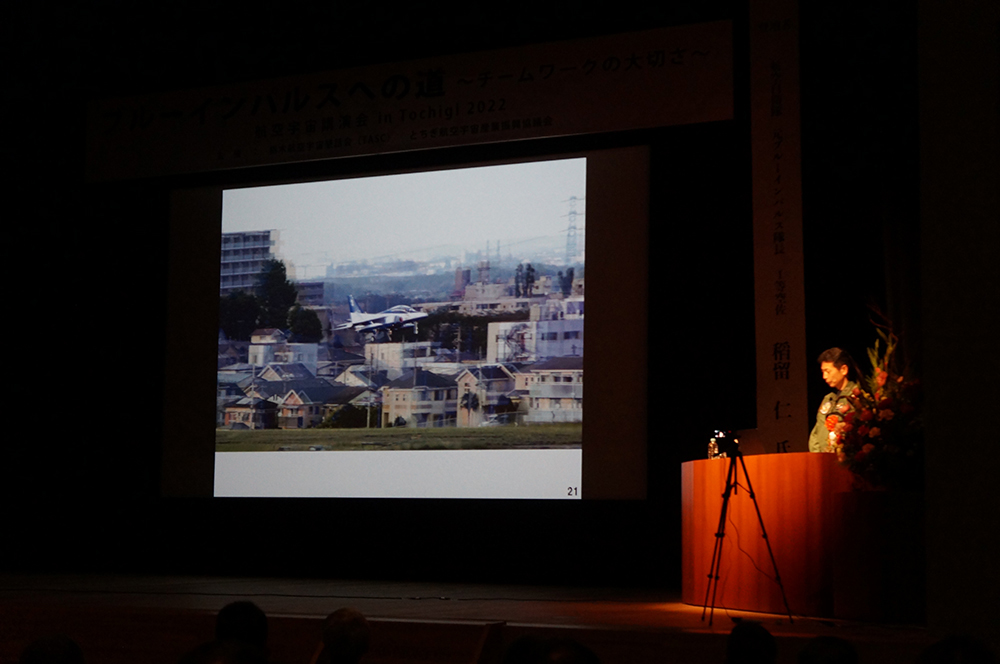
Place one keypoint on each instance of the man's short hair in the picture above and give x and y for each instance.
(839, 357)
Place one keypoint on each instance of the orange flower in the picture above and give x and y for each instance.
(831, 422)
(875, 432)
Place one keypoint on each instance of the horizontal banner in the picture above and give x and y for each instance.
(668, 76)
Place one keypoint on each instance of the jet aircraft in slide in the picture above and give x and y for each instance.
(382, 323)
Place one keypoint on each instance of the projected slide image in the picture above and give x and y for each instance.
(439, 311)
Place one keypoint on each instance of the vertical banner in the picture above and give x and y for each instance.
(782, 411)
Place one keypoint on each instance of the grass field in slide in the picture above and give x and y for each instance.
(540, 436)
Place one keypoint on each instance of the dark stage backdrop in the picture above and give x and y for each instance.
(85, 486)
(99, 483)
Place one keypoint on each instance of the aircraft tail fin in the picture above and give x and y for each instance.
(355, 309)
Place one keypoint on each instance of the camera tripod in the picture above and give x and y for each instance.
(713, 569)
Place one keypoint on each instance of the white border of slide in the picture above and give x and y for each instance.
(532, 474)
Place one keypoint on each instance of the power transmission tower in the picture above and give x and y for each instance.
(571, 230)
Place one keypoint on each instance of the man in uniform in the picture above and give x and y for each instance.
(841, 374)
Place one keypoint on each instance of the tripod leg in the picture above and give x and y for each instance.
(763, 531)
(713, 574)
(717, 544)
(720, 534)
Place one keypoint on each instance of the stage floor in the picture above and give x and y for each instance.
(621, 616)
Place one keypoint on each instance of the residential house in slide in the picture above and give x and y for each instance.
(303, 408)
(483, 392)
(230, 387)
(421, 399)
(251, 413)
(555, 393)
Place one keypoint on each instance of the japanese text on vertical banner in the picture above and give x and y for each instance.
(781, 415)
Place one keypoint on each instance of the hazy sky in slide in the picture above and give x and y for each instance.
(398, 215)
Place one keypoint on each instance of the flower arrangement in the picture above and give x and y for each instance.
(879, 436)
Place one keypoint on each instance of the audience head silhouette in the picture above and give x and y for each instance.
(539, 650)
(346, 636)
(958, 649)
(751, 643)
(243, 622)
(828, 650)
(225, 652)
(57, 649)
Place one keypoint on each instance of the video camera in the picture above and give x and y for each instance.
(723, 444)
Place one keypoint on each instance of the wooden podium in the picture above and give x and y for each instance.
(795, 493)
